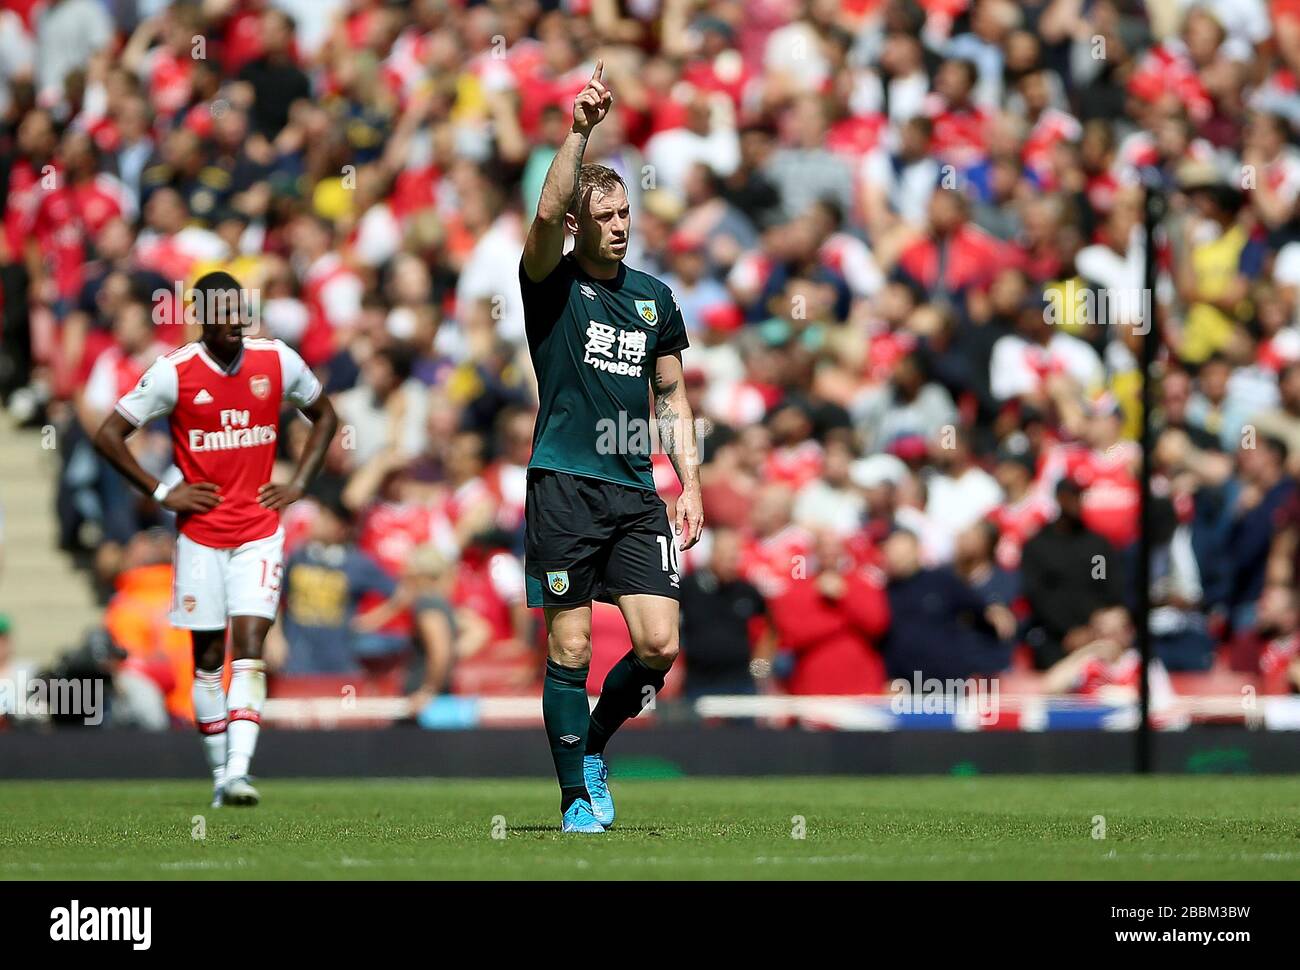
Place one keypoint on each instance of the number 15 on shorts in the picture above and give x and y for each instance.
(271, 575)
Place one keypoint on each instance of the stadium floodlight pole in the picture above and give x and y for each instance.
(1154, 213)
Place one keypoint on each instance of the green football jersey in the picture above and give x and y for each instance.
(594, 344)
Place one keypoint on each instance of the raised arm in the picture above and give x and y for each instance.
(545, 243)
(677, 436)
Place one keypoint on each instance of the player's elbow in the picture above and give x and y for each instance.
(549, 215)
(322, 414)
(106, 437)
(329, 418)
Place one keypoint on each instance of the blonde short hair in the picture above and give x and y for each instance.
(593, 177)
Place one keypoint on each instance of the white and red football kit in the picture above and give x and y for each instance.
(1168, 68)
(332, 292)
(225, 423)
(508, 485)
(884, 350)
(22, 199)
(794, 465)
(1116, 681)
(959, 136)
(1276, 659)
(67, 217)
(1051, 128)
(389, 532)
(489, 585)
(771, 562)
(466, 499)
(169, 78)
(1111, 493)
(1018, 522)
(114, 373)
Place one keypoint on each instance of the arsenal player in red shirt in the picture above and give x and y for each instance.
(223, 394)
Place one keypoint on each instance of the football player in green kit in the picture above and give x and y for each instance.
(604, 339)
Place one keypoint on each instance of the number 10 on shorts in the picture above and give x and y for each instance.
(668, 554)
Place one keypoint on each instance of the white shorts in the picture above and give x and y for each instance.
(211, 585)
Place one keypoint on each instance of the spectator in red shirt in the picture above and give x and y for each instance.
(77, 207)
(1271, 648)
(959, 138)
(954, 254)
(19, 256)
(830, 618)
(91, 490)
(775, 542)
(796, 456)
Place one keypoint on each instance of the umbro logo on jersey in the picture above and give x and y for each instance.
(569, 740)
(203, 397)
(587, 291)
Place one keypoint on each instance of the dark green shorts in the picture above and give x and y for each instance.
(587, 539)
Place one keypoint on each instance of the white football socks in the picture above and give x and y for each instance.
(247, 692)
(210, 715)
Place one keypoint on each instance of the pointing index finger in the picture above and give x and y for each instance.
(600, 67)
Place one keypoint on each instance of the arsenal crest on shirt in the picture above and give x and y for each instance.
(260, 385)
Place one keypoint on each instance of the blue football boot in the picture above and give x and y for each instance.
(579, 819)
(596, 774)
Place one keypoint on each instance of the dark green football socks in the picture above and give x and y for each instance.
(629, 688)
(565, 711)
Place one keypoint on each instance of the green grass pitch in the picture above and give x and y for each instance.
(1186, 827)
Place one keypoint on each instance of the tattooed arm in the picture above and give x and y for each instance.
(677, 437)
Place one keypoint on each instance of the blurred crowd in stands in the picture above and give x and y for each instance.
(906, 237)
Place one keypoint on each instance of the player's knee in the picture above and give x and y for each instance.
(570, 648)
(658, 646)
(209, 654)
(246, 644)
